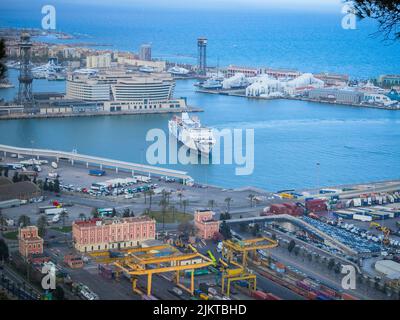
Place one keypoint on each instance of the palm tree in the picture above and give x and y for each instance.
(151, 194)
(82, 216)
(185, 204)
(145, 196)
(211, 204)
(2, 220)
(173, 210)
(24, 220)
(42, 224)
(163, 204)
(63, 215)
(251, 198)
(228, 201)
(180, 196)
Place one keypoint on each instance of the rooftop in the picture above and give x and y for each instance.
(109, 221)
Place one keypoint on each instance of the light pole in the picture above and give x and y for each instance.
(32, 142)
(318, 174)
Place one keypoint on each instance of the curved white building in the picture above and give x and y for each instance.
(119, 86)
(83, 88)
(141, 88)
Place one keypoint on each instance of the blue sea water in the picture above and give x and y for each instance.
(311, 41)
(351, 144)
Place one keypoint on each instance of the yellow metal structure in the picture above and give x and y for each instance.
(147, 261)
(235, 251)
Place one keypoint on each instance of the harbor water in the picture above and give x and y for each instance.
(351, 144)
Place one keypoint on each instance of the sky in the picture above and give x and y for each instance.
(292, 4)
(314, 5)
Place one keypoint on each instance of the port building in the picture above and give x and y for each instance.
(114, 233)
(29, 242)
(388, 81)
(205, 224)
(119, 86)
(336, 95)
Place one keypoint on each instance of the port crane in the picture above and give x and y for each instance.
(148, 261)
(235, 260)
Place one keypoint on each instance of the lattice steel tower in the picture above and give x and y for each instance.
(25, 96)
(202, 55)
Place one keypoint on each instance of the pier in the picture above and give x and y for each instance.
(17, 116)
(97, 161)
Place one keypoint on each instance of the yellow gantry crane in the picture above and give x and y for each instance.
(235, 254)
(154, 260)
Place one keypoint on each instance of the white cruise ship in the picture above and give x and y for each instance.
(189, 131)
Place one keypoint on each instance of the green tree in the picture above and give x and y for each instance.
(225, 230)
(163, 204)
(251, 199)
(94, 213)
(211, 204)
(51, 186)
(59, 293)
(45, 185)
(42, 225)
(173, 210)
(187, 229)
(291, 245)
(228, 202)
(15, 177)
(57, 186)
(3, 220)
(4, 254)
(331, 263)
(255, 230)
(82, 216)
(63, 216)
(385, 12)
(180, 196)
(126, 213)
(3, 68)
(185, 204)
(24, 220)
(225, 216)
(150, 194)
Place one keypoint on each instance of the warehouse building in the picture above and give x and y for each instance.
(336, 95)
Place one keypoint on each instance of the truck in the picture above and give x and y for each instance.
(54, 211)
(54, 219)
(10, 203)
(53, 175)
(143, 179)
(96, 172)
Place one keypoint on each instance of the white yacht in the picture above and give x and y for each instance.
(189, 131)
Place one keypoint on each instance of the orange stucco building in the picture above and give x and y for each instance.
(29, 241)
(114, 233)
(205, 223)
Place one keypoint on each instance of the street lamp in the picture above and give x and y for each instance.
(318, 174)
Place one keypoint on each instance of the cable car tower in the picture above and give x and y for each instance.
(25, 95)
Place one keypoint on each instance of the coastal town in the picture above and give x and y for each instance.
(107, 82)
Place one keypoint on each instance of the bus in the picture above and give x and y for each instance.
(105, 212)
